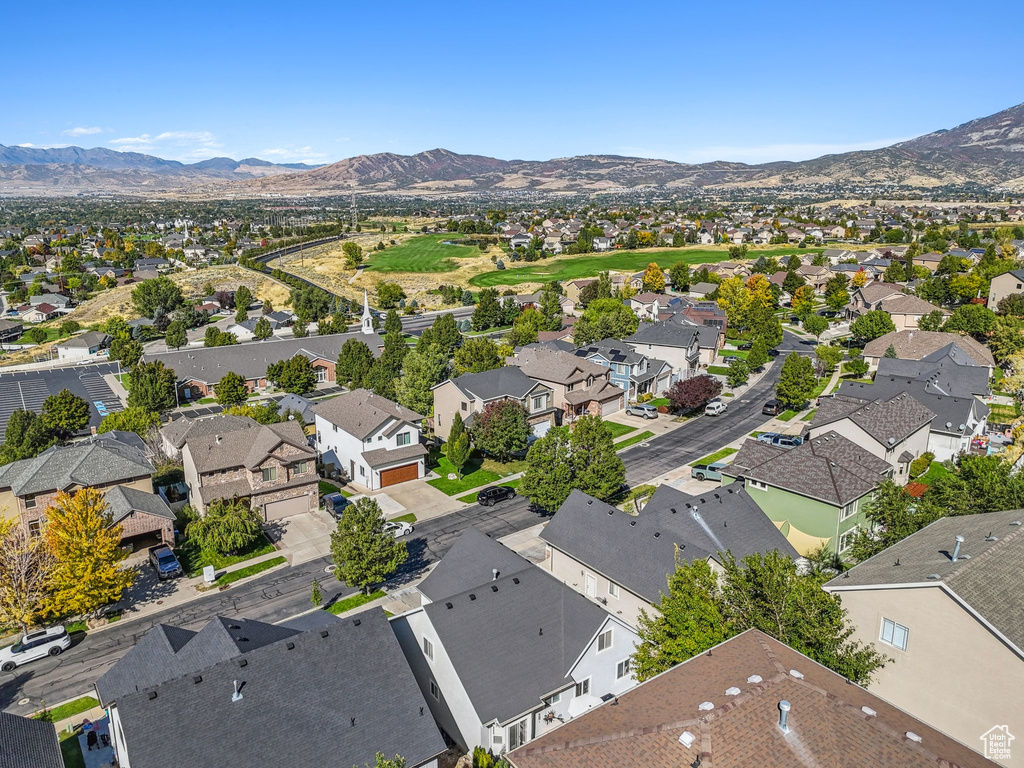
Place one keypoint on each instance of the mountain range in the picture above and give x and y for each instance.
(987, 152)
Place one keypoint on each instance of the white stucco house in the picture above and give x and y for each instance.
(85, 346)
(373, 440)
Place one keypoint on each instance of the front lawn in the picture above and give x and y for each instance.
(787, 415)
(406, 518)
(658, 402)
(718, 370)
(348, 603)
(935, 470)
(71, 750)
(193, 559)
(474, 475)
(622, 444)
(618, 430)
(720, 454)
(503, 469)
(740, 353)
(809, 415)
(66, 710)
(250, 570)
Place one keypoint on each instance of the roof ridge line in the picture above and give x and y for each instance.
(1003, 542)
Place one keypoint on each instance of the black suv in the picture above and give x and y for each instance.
(491, 495)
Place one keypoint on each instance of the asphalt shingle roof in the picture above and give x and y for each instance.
(665, 334)
(916, 345)
(247, 447)
(85, 464)
(507, 381)
(379, 456)
(124, 500)
(180, 430)
(887, 419)
(953, 415)
(28, 743)
(471, 562)
(361, 412)
(554, 365)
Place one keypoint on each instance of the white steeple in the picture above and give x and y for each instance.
(367, 317)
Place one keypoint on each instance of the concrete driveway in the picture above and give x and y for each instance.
(415, 496)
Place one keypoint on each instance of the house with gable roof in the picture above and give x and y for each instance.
(633, 372)
(470, 393)
(578, 386)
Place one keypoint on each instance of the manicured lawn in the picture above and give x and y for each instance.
(588, 265)
(755, 434)
(633, 440)
(407, 518)
(75, 626)
(470, 498)
(935, 470)
(68, 709)
(660, 401)
(506, 469)
(425, 254)
(809, 415)
(194, 559)
(52, 334)
(1003, 414)
(353, 602)
(488, 332)
(787, 415)
(618, 430)
(206, 400)
(326, 486)
(718, 455)
(473, 477)
(249, 570)
(820, 386)
(720, 370)
(740, 353)
(70, 749)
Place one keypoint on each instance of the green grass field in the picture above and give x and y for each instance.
(618, 430)
(354, 601)
(424, 254)
(589, 264)
(718, 455)
(623, 444)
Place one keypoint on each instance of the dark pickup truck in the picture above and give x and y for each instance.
(164, 562)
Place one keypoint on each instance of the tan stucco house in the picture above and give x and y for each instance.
(470, 393)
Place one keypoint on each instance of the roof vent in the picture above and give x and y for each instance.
(796, 674)
(449, 606)
(515, 580)
(236, 695)
(706, 706)
(754, 679)
(324, 633)
(590, 502)
(657, 534)
(784, 707)
(494, 574)
(493, 588)
(197, 679)
(290, 646)
(868, 711)
(913, 737)
(956, 548)
(934, 576)
(990, 537)
(733, 691)
(632, 523)
(611, 510)
(1015, 522)
(356, 622)
(152, 695)
(686, 739)
(472, 596)
(243, 662)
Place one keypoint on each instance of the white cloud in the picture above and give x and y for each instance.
(291, 154)
(178, 145)
(764, 153)
(82, 130)
(30, 145)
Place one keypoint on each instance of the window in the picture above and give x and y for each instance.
(30, 502)
(379, 438)
(622, 669)
(604, 641)
(319, 437)
(517, 735)
(550, 700)
(538, 402)
(269, 474)
(301, 468)
(362, 471)
(403, 438)
(846, 539)
(848, 510)
(428, 648)
(465, 406)
(496, 736)
(434, 691)
(613, 590)
(583, 687)
(894, 634)
(35, 528)
(757, 485)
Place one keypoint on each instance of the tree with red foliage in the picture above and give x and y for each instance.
(692, 393)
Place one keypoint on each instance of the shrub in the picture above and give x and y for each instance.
(645, 397)
(920, 465)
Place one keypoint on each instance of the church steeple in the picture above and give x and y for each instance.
(367, 317)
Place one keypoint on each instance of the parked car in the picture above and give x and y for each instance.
(35, 645)
(396, 528)
(164, 562)
(708, 471)
(642, 410)
(715, 408)
(771, 408)
(780, 440)
(334, 503)
(492, 494)
(745, 345)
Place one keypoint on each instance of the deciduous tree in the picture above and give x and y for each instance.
(502, 429)
(688, 394)
(158, 296)
(26, 436)
(227, 526)
(26, 571)
(477, 355)
(65, 414)
(131, 419)
(353, 254)
(604, 319)
(294, 375)
(421, 370)
(757, 356)
(152, 387)
(653, 278)
(363, 552)
(871, 325)
(354, 363)
(231, 389)
(815, 325)
(176, 337)
(389, 294)
(796, 380)
(262, 330)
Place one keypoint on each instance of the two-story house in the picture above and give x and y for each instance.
(578, 386)
(869, 296)
(1005, 285)
(926, 345)
(375, 441)
(504, 652)
(470, 393)
(271, 465)
(633, 372)
(83, 346)
(677, 342)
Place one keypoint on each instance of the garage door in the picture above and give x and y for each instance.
(399, 474)
(541, 429)
(608, 407)
(276, 510)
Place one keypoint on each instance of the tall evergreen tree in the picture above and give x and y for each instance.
(354, 363)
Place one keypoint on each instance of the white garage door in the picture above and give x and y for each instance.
(608, 407)
(539, 430)
(277, 510)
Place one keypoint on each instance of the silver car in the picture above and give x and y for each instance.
(642, 410)
(34, 645)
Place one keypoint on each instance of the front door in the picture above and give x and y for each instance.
(591, 586)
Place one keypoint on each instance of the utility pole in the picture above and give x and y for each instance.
(355, 212)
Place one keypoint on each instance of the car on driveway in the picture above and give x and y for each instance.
(745, 345)
(397, 528)
(708, 471)
(35, 645)
(642, 410)
(166, 565)
(492, 494)
(715, 408)
(334, 503)
(771, 408)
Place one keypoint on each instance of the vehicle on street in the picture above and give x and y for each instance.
(715, 408)
(492, 494)
(642, 410)
(398, 529)
(771, 408)
(35, 645)
(779, 440)
(334, 503)
(166, 565)
(704, 472)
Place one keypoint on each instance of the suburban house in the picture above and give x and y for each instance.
(814, 493)
(677, 343)
(1005, 285)
(240, 693)
(37, 314)
(749, 702)
(29, 743)
(470, 393)
(246, 330)
(175, 433)
(271, 465)
(578, 386)
(560, 654)
(947, 372)
(633, 372)
(816, 277)
(373, 440)
(951, 617)
(623, 561)
(870, 296)
(83, 346)
(574, 287)
(115, 462)
(906, 311)
(10, 331)
(894, 427)
(920, 345)
(650, 306)
(700, 290)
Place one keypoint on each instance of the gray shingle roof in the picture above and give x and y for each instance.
(507, 381)
(180, 430)
(361, 412)
(943, 376)
(379, 456)
(528, 623)
(609, 349)
(124, 500)
(916, 345)
(953, 415)
(665, 334)
(888, 419)
(28, 743)
(640, 552)
(85, 340)
(547, 364)
(247, 447)
(325, 697)
(988, 579)
(89, 463)
(469, 563)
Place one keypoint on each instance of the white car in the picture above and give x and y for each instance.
(398, 529)
(34, 645)
(715, 408)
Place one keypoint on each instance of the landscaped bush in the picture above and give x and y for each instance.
(645, 397)
(920, 465)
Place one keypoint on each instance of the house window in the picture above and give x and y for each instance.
(583, 687)
(538, 402)
(465, 406)
(362, 471)
(613, 590)
(379, 438)
(551, 700)
(846, 539)
(894, 634)
(604, 641)
(319, 437)
(434, 691)
(758, 485)
(301, 468)
(35, 528)
(428, 648)
(269, 474)
(517, 735)
(622, 669)
(847, 510)
(403, 438)
(497, 737)
(30, 502)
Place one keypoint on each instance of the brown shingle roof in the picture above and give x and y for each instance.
(545, 364)
(244, 447)
(915, 345)
(361, 412)
(888, 420)
(828, 725)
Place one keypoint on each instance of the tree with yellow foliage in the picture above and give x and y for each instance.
(86, 546)
(26, 566)
(654, 278)
(803, 301)
(860, 279)
(733, 299)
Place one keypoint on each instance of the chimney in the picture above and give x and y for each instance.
(784, 708)
(956, 547)
(237, 695)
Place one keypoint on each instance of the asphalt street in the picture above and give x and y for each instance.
(285, 593)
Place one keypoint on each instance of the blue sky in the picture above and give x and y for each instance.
(318, 82)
